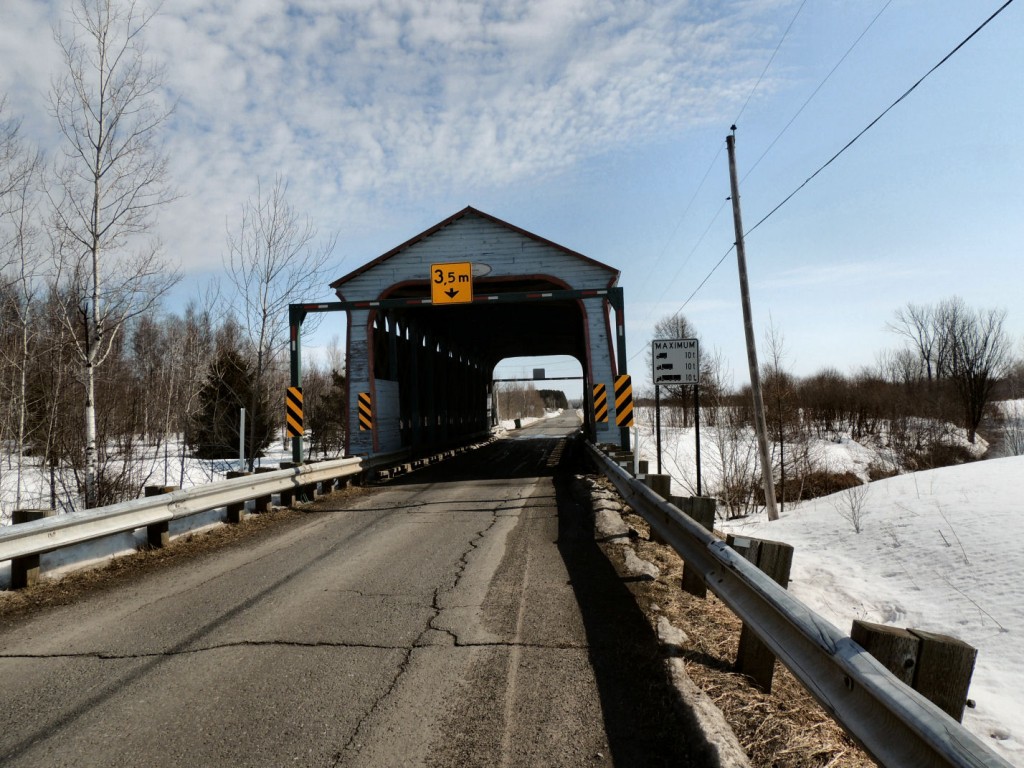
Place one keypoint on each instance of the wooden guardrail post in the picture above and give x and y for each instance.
(262, 504)
(775, 559)
(939, 667)
(158, 534)
(896, 648)
(288, 495)
(661, 485)
(701, 509)
(327, 486)
(25, 570)
(299, 493)
(236, 511)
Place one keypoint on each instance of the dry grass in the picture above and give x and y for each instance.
(784, 729)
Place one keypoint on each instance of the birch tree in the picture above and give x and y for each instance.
(20, 260)
(111, 178)
(22, 246)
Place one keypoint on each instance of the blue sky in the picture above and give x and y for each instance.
(601, 126)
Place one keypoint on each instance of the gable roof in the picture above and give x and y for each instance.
(612, 272)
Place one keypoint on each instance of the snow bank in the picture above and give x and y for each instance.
(941, 550)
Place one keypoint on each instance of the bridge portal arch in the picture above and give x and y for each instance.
(423, 371)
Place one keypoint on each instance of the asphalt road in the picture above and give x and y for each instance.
(461, 616)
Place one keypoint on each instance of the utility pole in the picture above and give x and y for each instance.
(748, 327)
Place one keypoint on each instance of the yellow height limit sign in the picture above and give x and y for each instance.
(451, 283)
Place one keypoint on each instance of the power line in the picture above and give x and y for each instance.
(848, 145)
(711, 166)
(693, 250)
(695, 290)
(770, 60)
(679, 223)
(886, 111)
(763, 154)
(815, 91)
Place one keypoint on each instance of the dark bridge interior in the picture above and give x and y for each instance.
(443, 357)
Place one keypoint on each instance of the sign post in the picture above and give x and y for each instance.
(676, 362)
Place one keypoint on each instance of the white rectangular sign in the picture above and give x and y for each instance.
(675, 361)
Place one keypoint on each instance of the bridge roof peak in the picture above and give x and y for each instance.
(468, 213)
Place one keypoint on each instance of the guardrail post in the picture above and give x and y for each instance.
(236, 512)
(288, 495)
(661, 485)
(774, 558)
(327, 486)
(624, 459)
(261, 504)
(25, 570)
(158, 534)
(701, 509)
(299, 493)
(944, 668)
(896, 648)
(939, 667)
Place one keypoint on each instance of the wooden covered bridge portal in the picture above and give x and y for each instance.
(421, 369)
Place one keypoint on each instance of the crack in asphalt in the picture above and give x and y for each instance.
(109, 656)
(502, 505)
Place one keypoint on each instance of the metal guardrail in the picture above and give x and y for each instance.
(52, 533)
(896, 725)
(48, 534)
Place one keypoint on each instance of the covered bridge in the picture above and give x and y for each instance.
(424, 370)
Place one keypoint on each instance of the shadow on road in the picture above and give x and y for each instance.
(647, 724)
(500, 460)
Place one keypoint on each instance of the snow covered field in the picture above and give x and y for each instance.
(940, 550)
(157, 468)
(160, 466)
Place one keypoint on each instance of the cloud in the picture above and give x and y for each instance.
(838, 276)
(365, 105)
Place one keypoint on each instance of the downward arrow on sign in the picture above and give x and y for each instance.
(451, 293)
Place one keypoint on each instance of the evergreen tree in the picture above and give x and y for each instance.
(553, 399)
(229, 387)
(326, 419)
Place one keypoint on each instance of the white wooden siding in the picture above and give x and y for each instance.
(481, 241)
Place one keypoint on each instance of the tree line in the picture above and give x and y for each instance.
(93, 374)
(955, 360)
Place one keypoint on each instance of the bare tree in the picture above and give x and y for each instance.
(517, 400)
(851, 505)
(274, 259)
(963, 352)
(917, 323)
(979, 354)
(782, 410)
(13, 156)
(21, 251)
(19, 171)
(901, 367)
(111, 178)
